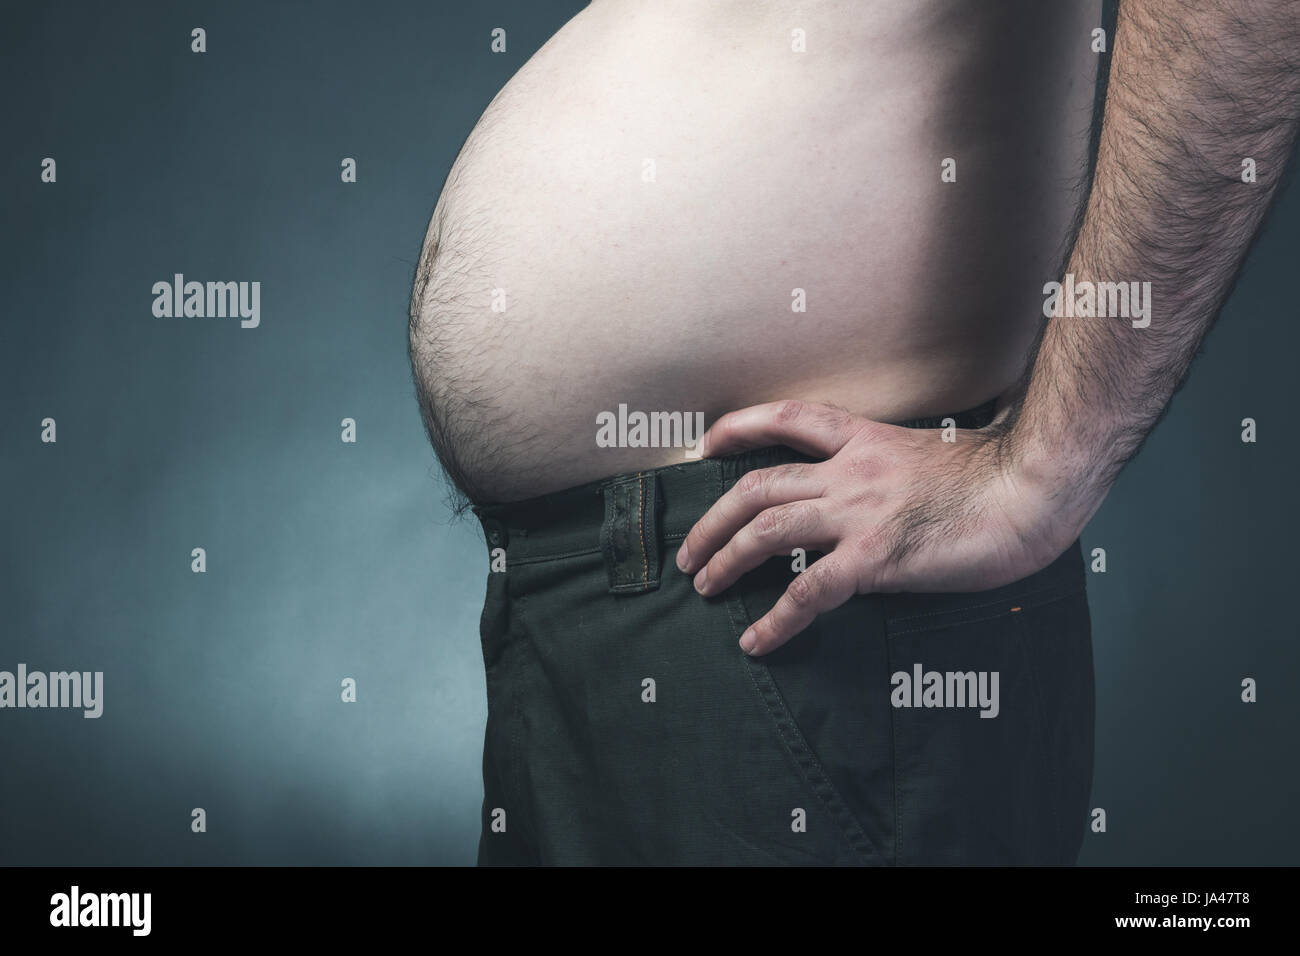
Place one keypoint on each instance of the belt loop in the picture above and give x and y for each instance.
(494, 531)
(629, 537)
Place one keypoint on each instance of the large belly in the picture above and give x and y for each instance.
(674, 211)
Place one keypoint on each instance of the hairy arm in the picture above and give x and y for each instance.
(1196, 88)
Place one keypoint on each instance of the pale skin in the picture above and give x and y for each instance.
(1194, 89)
(797, 239)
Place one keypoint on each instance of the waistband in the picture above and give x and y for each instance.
(628, 516)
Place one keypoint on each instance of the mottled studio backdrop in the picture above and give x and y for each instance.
(328, 560)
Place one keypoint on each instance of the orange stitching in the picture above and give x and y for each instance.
(640, 521)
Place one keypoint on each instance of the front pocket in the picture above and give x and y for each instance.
(825, 693)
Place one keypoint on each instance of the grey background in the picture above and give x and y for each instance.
(328, 560)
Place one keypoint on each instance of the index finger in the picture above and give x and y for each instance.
(809, 427)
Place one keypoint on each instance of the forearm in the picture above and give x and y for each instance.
(1195, 89)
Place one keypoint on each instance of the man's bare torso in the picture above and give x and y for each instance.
(671, 208)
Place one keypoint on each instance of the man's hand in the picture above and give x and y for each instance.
(892, 509)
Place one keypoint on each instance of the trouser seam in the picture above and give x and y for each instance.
(893, 752)
(640, 524)
(798, 748)
(809, 767)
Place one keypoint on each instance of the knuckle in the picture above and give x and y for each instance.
(869, 543)
(696, 537)
(790, 411)
(719, 565)
(804, 590)
(865, 499)
(780, 521)
(868, 565)
(864, 467)
(798, 471)
(701, 537)
(769, 524)
(752, 484)
(801, 516)
(836, 417)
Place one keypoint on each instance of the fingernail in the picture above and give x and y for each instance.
(748, 641)
(702, 578)
(683, 557)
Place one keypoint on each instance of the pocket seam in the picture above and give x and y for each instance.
(797, 747)
(975, 607)
(987, 617)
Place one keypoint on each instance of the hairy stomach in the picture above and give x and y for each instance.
(676, 211)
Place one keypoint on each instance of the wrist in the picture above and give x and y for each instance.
(1052, 494)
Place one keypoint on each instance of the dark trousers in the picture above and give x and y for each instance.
(626, 726)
